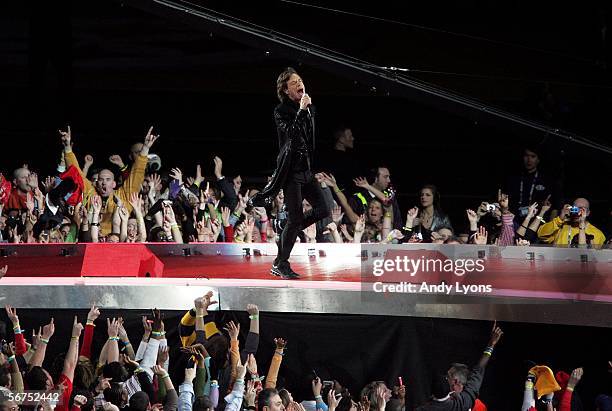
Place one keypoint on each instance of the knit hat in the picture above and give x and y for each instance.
(545, 380)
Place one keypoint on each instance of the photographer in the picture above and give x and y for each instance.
(572, 227)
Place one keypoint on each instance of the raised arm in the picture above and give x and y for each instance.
(72, 357)
(348, 210)
(39, 355)
(361, 182)
(275, 364)
(136, 203)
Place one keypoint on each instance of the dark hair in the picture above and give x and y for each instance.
(114, 394)
(339, 131)
(139, 401)
(284, 394)
(345, 403)
(116, 371)
(217, 347)
(440, 387)
(281, 83)
(435, 194)
(36, 379)
(374, 172)
(84, 374)
(263, 400)
(202, 403)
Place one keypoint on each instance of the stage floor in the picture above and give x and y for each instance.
(547, 287)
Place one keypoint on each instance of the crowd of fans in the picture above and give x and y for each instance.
(216, 370)
(140, 201)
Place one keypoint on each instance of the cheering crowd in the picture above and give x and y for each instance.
(140, 201)
(207, 368)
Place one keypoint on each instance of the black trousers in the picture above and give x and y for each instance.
(300, 185)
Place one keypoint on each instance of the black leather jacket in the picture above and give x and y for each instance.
(296, 139)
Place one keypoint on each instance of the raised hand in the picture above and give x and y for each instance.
(66, 137)
(496, 334)
(332, 227)
(336, 214)
(252, 309)
(77, 327)
(162, 355)
(521, 242)
(136, 202)
(11, 312)
(3, 271)
(225, 216)
(116, 160)
(546, 205)
(113, 327)
(361, 182)
(33, 180)
(233, 330)
(147, 328)
(79, 400)
(250, 393)
(360, 224)
(472, 216)
(177, 174)
(575, 378)
(532, 211)
(281, 343)
(150, 138)
(48, 184)
(168, 213)
(88, 161)
(481, 236)
(155, 182)
(48, 330)
(207, 300)
(411, 216)
(199, 177)
(503, 201)
(251, 364)
(159, 370)
(317, 386)
(218, 167)
(97, 204)
(124, 214)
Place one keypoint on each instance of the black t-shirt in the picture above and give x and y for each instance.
(527, 188)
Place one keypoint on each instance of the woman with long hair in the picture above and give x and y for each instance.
(428, 217)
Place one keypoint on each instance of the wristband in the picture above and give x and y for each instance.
(406, 228)
(165, 376)
(569, 388)
(75, 337)
(214, 383)
(279, 353)
(158, 333)
(173, 225)
(44, 340)
(125, 344)
(200, 316)
(254, 317)
(90, 322)
(95, 224)
(11, 358)
(318, 397)
(16, 330)
(113, 338)
(486, 353)
(541, 219)
(123, 168)
(239, 380)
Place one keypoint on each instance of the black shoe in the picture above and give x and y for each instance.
(284, 271)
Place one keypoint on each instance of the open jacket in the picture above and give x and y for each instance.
(296, 139)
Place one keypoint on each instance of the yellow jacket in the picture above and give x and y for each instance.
(130, 185)
(558, 233)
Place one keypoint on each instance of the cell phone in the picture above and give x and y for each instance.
(401, 383)
(328, 383)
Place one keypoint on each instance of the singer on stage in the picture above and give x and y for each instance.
(295, 124)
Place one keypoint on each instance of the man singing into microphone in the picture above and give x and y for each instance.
(295, 125)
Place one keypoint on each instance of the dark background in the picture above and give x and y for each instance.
(111, 70)
(358, 349)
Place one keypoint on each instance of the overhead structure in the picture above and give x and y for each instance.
(389, 80)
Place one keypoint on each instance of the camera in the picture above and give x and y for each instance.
(491, 207)
(574, 211)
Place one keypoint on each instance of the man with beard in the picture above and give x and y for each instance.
(105, 185)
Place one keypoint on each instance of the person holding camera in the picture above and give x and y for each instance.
(572, 227)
